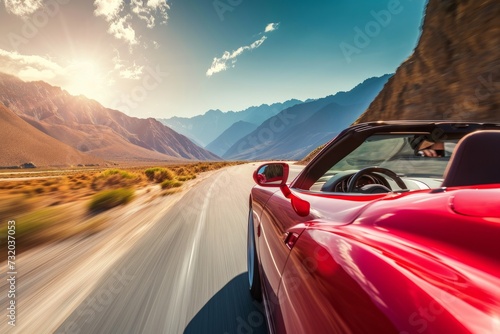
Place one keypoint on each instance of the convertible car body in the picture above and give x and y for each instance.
(377, 235)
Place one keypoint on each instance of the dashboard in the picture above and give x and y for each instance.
(339, 183)
(342, 185)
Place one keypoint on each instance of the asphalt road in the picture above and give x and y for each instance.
(187, 274)
(172, 264)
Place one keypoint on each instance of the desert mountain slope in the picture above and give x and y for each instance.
(454, 72)
(89, 127)
(22, 143)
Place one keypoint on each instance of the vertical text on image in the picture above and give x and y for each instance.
(11, 272)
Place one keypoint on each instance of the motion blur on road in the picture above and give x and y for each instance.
(175, 265)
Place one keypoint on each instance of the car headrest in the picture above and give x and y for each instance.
(476, 160)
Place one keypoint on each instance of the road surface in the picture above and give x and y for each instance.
(185, 274)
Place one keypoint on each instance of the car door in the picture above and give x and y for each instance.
(279, 221)
(276, 219)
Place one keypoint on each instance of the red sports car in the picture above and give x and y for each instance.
(394, 227)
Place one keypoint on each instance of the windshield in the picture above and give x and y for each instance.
(399, 153)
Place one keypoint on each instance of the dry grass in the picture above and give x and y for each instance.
(159, 174)
(108, 199)
(184, 178)
(54, 205)
(116, 178)
(15, 205)
(49, 224)
(169, 184)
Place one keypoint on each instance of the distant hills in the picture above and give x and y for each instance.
(88, 127)
(204, 129)
(454, 72)
(235, 132)
(288, 130)
(297, 130)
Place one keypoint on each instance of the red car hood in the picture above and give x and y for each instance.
(468, 219)
(474, 203)
(443, 246)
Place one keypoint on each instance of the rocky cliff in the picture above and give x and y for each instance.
(454, 72)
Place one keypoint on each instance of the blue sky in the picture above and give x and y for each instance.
(183, 57)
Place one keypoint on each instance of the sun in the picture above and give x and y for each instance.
(85, 77)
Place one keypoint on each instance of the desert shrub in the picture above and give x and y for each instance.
(78, 185)
(108, 199)
(14, 206)
(201, 168)
(168, 184)
(184, 178)
(113, 171)
(7, 185)
(115, 179)
(150, 173)
(36, 220)
(180, 171)
(48, 183)
(218, 165)
(189, 170)
(49, 224)
(158, 174)
(83, 177)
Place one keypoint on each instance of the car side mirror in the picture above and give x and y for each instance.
(271, 175)
(276, 175)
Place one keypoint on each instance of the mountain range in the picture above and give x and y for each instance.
(235, 132)
(297, 130)
(204, 129)
(61, 129)
(88, 127)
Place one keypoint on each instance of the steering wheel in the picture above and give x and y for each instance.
(368, 170)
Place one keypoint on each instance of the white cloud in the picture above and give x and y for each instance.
(110, 9)
(221, 64)
(271, 27)
(28, 67)
(228, 59)
(133, 72)
(77, 76)
(257, 43)
(121, 29)
(146, 10)
(119, 16)
(22, 8)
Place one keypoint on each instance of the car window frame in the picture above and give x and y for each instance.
(352, 137)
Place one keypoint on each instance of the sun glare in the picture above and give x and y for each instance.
(85, 77)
